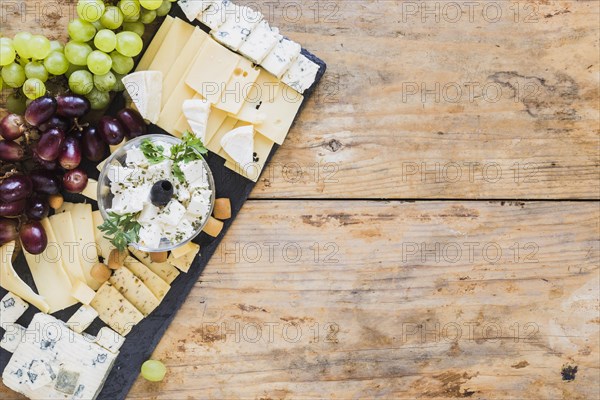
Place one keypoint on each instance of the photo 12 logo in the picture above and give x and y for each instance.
(454, 12)
(468, 331)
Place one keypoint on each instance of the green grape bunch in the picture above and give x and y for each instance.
(103, 43)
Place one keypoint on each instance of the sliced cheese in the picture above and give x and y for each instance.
(181, 64)
(83, 293)
(91, 190)
(115, 310)
(10, 281)
(215, 120)
(239, 144)
(238, 87)
(66, 206)
(164, 270)
(214, 144)
(279, 114)
(262, 149)
(134, 290)
(171, 47)
(155, 45)
(279, 60)
(103, 245)
(156, 285)
(62, 225)
(211, 70)
(109, 339)
(184, 261)
(183, 250)
(145, 89)
(48, 273)
(83, 223)
(260, 42)
(82, 319)
(301, 75)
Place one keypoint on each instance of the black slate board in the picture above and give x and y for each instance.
(144, 337)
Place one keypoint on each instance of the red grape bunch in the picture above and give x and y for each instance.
(41, 155)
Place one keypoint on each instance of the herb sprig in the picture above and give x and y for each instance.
(191, 148)
(121, 230)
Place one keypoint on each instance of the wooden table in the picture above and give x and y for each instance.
(430, 227)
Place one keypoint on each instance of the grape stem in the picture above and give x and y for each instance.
(78, 126)
(8, 174)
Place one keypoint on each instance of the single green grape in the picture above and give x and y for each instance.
(130, 8)
(147, 16)
(13, 75)
(81, 82)
(164, 8)
(72, 68)
(15, 103)
(36, 69)
(77, 52)
(105, 40)
(56, 63)
(154, 371)
(39, 47)
(21, 44)
(34, 88)
(129, 44)
(151, 4)
(90, 10)
(136, 27)
(7, 54)
(80, 30)
(106, 82)
(99, 63)
(55, 45)
(112, 18)
(99, 100)
(121, 64)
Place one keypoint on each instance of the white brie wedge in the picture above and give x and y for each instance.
(145, 89)
(197, 111)
(239, 145)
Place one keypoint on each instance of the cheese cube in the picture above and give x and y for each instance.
(13, 337)
(134, 290)
(301, 74)
(183, 194)
(150, 235)
(136, 158)
(83, 293)
(194, 171)
(156, 285)
(185, 262)
(215, 15)
(160, 171)
(115, 310)
(172, 214)
(109, 339)
(164, 271)
(281, 57)
(239, 23)
(11, 309)
(199, 205)
(148, 214)
(82, 319)
(260, 42)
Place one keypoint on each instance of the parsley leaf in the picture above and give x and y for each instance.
(190, 149)
(121, 230)
(152, 152)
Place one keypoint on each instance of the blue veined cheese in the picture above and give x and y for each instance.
(193, 8)
(260, 42)
(281, 57)
(11, 309)
(216, 14)
(53, 362)
(238, 25)
(13, 337)
(82, 319)
(301, 74)
(109, 339)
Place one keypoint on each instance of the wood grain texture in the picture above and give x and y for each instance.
(359, 303)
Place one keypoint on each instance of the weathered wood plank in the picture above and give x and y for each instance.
(497, 101)
(360, 309)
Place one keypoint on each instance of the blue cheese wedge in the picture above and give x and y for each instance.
(53, 362)
(301, 74)
(216, 14)
(13, 337)
(260, 42)
(109, 339)
(238, 25)
(193, 8)
(11, 309)
(82, 319)
(279, 60)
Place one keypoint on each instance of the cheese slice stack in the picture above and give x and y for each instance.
(239, 144)
(196, 112)
(145, 89)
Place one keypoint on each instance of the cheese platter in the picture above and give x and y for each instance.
(107, 224)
